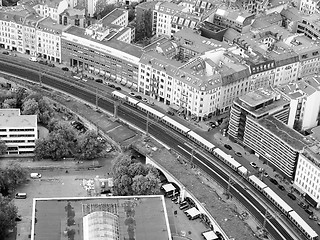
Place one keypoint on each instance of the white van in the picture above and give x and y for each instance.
(35, 175)
(33, 59)
(21, 196)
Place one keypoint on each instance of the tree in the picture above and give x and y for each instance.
(144, 25)
(131, 178)
(10, 103)
(3, 147)
(103, 9)
(30, 107)
(89, 147)
(8, 214)
(11, 177)
(20, 95)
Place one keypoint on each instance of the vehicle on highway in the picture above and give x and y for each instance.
(85, 80)
(35, 175)
(227, 147)
(5, 53)
(281, 188)
(238, 154)
(292, 196)
(20, 196)
(275, 182)
(33, 59)
(253, 164)
(65, 69)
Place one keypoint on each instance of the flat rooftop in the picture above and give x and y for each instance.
(291, 137)
(7, 112)
(258, 97)
(22, 121)
(62, 218)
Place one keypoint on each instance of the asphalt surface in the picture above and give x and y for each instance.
(164, 136)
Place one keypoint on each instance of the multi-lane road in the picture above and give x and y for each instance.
(209, 165)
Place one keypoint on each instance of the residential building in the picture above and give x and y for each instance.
(11, 25)
(304, 98)
(97, 50)
(277, 6)
(101, 216)
(144, 12)
(309, 25)
(307, 175)
(74, 17)
(183, 20)
(30, 37)
(50, 8)
(19, 132)
(309, 7)
(240, 20)
(291, 17)
(252, 6)
(267, 20)
(258, 122)
(163, 15)
(48, 38)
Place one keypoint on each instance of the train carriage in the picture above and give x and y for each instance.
(154, 113)
(257, 183)
(276, 200)
(243, 171)
(302, 225)
(227, 159)
(201, 141)
(132, 101)
(119, 95)
(175, 125)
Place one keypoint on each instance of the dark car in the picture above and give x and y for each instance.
(99, 80)
(65, 69)
(275, 182)
(293, 197)
(118, 88)
(51, 65)
(281, 187)
(228, 147)
(44, 62)
(303, 205)
(310, 212)
(239, 154)
(170, 113)
(138, 97)
(111, 85)
(5, 53)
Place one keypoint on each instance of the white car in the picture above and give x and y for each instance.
(35, 175)
(33, 59)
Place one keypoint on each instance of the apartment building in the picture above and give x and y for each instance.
(97, 50)
(258, 122)
(267, 20)
(304, 98)
(309, 25)
(163, 15)
(11, 25)
(239, 20)
(252, 6)
(30, 36)
(48, 35)
(74, 17)
(183, 20)
(19, 132)
(307, 175)
(309, 7)
(291, 17)
(50, 8)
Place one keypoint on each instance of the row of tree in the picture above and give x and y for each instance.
(10, 177)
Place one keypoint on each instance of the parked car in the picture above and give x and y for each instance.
(309, 211)
(51, 65)
(65, 69)
(239, 154)
(303, 205)
(138, 97)
(293, 197)
(5, 53)
(145, 99)
(33, 59)
(132, 94)
(44, 62)
(228, 147)
(99, 80)
(118, 88)
(281, 187)
(253, 164)
(111, 85)
(76, 77)
(20, 196)
(35, 175)
(275, 182)
(170, 113)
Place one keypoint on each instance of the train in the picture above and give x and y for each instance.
(307, 231)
